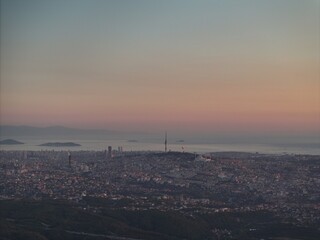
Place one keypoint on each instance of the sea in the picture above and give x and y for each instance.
(156, 143)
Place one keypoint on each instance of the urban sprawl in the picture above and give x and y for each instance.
(286, 185)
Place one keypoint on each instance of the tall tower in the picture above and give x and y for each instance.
(165, 143)
(69, 158)
(109, 152)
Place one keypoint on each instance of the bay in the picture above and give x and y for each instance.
(152, 143)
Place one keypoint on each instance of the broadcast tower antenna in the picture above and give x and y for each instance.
(165, 143)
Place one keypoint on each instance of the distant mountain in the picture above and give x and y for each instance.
(7, 130)
(10, 142)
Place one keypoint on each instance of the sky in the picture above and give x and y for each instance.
(178, 65)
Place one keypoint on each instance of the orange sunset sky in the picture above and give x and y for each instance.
(153, 65)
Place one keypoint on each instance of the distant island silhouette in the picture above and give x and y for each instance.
(10, 142)
(60, 144)
(132, 140)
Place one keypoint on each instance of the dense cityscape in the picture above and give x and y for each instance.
(285, 186)
(159, 120)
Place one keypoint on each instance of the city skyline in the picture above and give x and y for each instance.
(197, 66)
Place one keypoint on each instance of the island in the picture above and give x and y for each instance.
(60, 144)
(10, 142)
(133, 141)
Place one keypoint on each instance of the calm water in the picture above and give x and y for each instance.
(154, 144)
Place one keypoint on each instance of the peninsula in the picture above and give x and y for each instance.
(60, 144)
